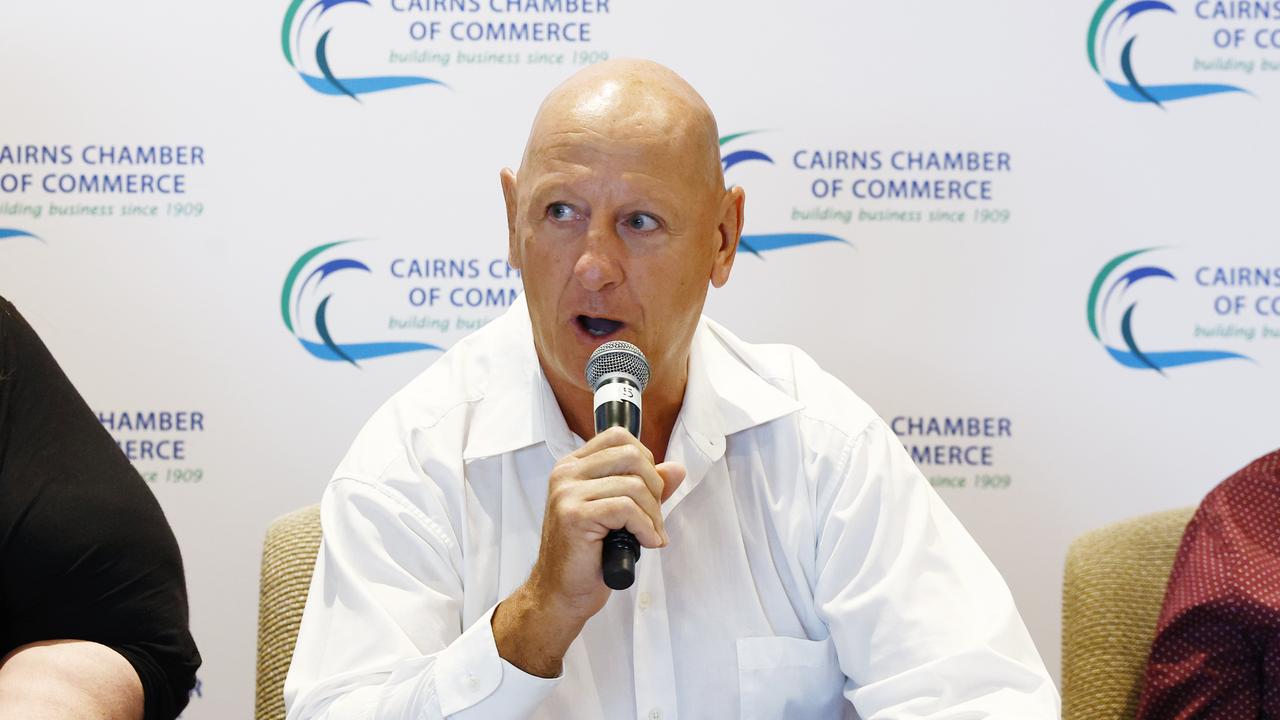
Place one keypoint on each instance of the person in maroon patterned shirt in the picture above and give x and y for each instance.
(1216, 653)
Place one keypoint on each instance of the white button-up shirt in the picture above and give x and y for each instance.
(811, 571)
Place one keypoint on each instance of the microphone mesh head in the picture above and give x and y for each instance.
(617, 356)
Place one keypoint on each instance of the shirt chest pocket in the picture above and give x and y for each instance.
(785, 677)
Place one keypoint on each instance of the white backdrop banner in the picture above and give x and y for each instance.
(1038, 237)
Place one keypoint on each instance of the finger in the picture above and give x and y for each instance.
(626, 486)
(611, 437)
(621, 460)
(673, 474)
(622, 513)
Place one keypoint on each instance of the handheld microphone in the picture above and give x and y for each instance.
(617, 373)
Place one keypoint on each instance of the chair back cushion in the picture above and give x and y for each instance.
(288, 559)
(1112, 592)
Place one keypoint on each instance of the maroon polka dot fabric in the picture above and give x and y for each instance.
(1216, 654)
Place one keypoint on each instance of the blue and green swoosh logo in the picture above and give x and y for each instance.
(304, 284)
(1109, 305)
(298, 21)
(1111, 49)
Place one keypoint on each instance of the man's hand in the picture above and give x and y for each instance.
(609, 483)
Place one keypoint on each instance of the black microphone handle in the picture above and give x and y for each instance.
(621, 550)
(618, 413)
(618, 559)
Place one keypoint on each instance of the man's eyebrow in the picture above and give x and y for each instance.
(549, 186)
(558, 186)
(666, 202)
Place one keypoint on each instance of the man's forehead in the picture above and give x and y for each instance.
(663, 170)
(577, 142)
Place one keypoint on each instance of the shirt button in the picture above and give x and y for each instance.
(655, 714)
(645, 601)
(472, 682)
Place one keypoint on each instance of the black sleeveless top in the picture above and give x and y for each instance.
(85, 550)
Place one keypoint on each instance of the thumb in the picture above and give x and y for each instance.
(672, 474)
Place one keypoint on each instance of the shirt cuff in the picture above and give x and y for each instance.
(472, 680)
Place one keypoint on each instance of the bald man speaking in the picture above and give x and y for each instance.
(797, 564)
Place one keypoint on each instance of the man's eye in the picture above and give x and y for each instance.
(561, 211)
(641, 222)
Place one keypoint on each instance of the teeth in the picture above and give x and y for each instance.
(598, 327)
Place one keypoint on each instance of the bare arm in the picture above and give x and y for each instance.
(66, 680)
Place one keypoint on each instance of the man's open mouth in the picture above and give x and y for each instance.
(599, 327)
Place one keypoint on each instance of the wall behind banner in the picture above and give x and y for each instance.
(242, 226)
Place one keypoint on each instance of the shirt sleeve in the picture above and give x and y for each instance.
(69, 566)
(382, 634)
(1203, 659)
(924, 625)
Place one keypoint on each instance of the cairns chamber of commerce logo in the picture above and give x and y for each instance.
(760, 243)
(1113, 313)
(305, 303)
(6, 233)
(305, 39)
(1234, 38)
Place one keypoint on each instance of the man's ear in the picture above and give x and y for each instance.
(730, 231)
(508, 179)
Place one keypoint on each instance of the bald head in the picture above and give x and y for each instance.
(631, 106)
(620, 222)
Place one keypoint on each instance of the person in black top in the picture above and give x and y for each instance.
(93, 603)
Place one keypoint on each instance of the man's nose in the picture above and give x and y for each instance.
(599, 267)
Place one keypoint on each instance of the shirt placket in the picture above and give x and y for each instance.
(655, 677)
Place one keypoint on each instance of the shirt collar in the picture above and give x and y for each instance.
(517, 408)
(726, 393)
(506, 418)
